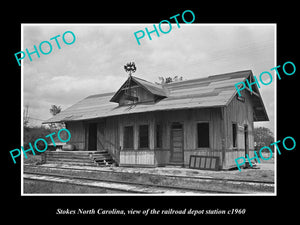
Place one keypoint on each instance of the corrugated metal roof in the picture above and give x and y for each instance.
(213, 91)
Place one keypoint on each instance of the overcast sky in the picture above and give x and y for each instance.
(94, 63)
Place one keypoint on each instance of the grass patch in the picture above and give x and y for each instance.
(264, 175)
(33, 159)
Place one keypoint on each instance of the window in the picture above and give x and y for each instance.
(203, 135)
(158, 135)
(128, 137)
(143, 136)
(234, 135)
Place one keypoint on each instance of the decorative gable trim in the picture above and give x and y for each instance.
(157, 91)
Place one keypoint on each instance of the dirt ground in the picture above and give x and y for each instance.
(265, 172)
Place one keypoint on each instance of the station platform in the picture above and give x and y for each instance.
(149, 180)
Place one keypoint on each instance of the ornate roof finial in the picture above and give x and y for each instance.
(130, 67)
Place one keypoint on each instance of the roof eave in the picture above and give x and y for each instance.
(257, 94)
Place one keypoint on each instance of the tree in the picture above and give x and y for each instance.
(263, 137)
(31, 134)
(169, 79)
(26, 116)
(55, 109)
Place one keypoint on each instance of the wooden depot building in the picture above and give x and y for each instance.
(199, 123)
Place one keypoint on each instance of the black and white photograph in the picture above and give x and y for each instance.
(145, 111)
(164, 109)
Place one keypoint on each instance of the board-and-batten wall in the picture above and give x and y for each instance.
(77, 130)
(143, 96)
(107, 135)
(240, 113)
(161, 156)
(110, 134)
(137, 156)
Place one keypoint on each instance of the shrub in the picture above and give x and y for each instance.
(33, 133)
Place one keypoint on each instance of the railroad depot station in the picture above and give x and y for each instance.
(201, 123)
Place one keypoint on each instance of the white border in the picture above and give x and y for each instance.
(22, 108)
(143, 24)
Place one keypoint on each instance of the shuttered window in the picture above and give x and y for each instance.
(128, 137)
(234, 135)
(143, 136)
(158, 143)
(203, 135)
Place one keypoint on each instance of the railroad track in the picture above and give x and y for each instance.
(136, 187)
(131, 187)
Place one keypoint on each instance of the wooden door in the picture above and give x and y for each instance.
(92, 137)
(176, 143)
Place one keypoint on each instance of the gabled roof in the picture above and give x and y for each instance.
(213, 91)
(154, 89)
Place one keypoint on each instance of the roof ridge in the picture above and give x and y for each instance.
(148, 81)
(208, 77)
(231, 73)
(100, 95)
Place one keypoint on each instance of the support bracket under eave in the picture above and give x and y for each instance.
(252, 92)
